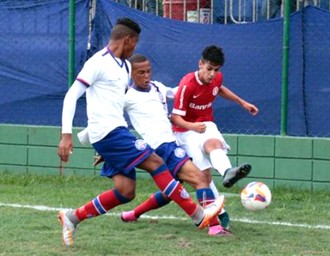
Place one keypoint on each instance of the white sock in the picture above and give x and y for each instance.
(214, 190)
(216, 194)
(220, 161)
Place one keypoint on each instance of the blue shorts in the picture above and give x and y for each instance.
(173, 155)
(122, 152)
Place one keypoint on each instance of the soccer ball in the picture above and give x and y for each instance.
(256, 196)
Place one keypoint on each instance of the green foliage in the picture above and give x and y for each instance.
(296, 223)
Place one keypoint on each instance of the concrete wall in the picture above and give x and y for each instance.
(302, 163)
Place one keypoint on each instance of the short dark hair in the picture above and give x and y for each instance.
(137, 58)
(131, 24)
(214, 55)
(124, 27)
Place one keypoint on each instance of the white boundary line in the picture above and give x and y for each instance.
(145, 216)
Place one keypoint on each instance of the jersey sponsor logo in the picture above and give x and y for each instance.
(196, 96)
(184, 194)
(140, 144)
(179, 152)
(215, 91)
(200, 107)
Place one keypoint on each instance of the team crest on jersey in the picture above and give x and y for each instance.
(184, 194)
(140, 144)
(179, 152)
(215, 91)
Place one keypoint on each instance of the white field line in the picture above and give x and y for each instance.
(145, 216)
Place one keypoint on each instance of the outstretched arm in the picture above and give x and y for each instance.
(65, 146)
(229, 95)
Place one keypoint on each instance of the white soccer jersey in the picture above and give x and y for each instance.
(148, 113)
(107, 79)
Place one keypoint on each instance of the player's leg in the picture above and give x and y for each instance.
(223, 216)
(175, 158)
(174, 190)
(181, 168)
(123, 192)
(216, 147)
(123, 151)
(155, 201)
(190, 174)
(115, 150)
(193, 143)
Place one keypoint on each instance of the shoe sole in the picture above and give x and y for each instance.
(60, 217)
(207, 219)
(242, 172)
(224, 232)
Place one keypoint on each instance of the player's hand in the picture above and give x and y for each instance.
(198, 127)
(252, 109)
(97, 159)
(65, 147)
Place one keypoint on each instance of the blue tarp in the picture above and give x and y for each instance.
(253, 68)
(34, 58)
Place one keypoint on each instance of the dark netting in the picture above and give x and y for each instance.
(253, 67)
(34, 58)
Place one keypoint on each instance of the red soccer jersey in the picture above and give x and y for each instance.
(193, 100)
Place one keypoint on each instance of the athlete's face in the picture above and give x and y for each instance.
(141, 74)
(129, 46)
(207, 71)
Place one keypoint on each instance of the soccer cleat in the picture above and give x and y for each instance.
(128, 216)
(224, 220)
(211, 211)
(232, 175)
(68, 228)
(219, 231)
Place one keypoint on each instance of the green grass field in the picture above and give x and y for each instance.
(296, 223)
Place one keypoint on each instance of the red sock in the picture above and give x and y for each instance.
(215, 221)
(155, 201)
(173, 189)
(99, 205)
(146, 206)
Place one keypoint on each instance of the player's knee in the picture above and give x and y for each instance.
(156, 160)
(125, 194)
(129, 195)
(151, 163)
(211, 145)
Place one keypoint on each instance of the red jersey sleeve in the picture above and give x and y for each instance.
(182, 97)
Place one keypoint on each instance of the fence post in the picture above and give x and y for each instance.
(285, 67)
(72, 31)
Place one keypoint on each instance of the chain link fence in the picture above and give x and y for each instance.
(220, 11)
(34, 57)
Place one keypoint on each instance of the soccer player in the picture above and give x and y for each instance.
(104, 78)
(193, 120)
(146, 105)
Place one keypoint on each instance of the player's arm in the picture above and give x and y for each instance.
(65, 146)
(229, 95)
(178, 120)
(170, 92)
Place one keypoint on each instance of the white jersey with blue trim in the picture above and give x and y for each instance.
(147, 111)
(107, 79)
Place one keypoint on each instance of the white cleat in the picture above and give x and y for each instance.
(68, 228)
(211, 211)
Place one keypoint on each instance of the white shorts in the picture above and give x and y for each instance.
(193, 143)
